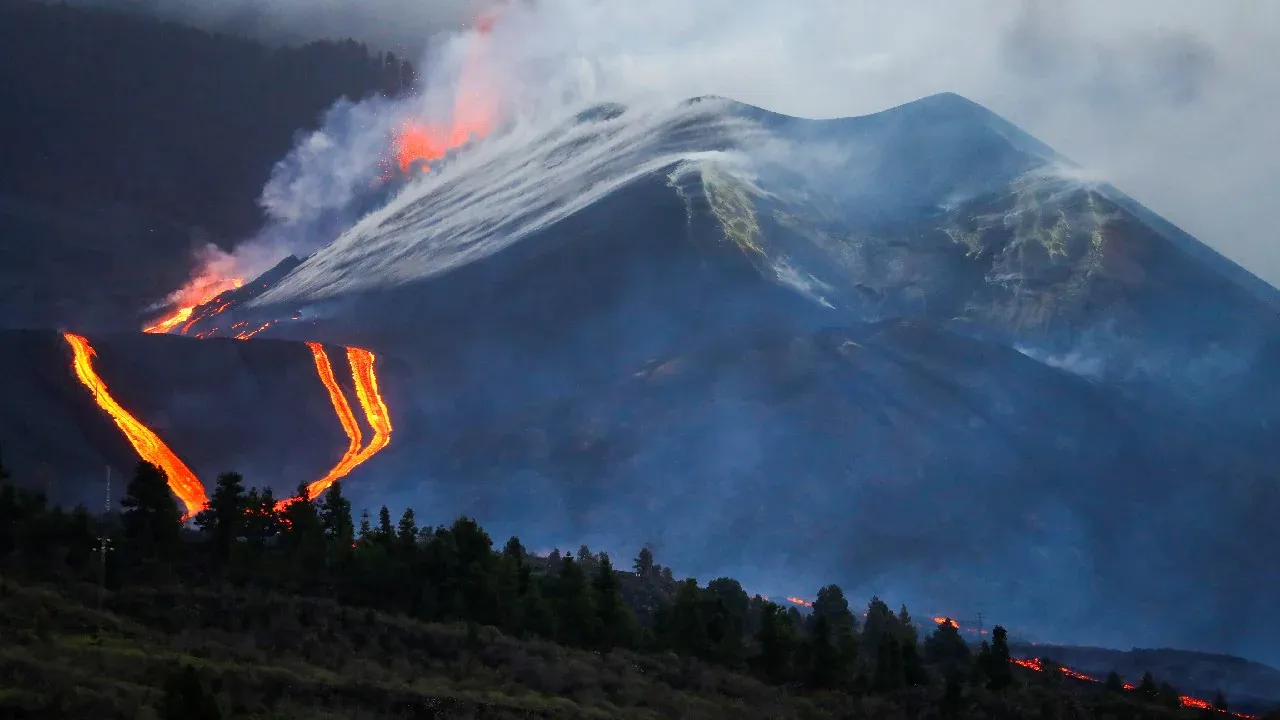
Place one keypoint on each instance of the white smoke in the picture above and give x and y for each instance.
(1172, 102)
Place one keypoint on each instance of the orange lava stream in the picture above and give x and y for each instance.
(196, 293)
(375, 410)
(348, 419)
(148, 445)
(1187, 701)
(365, 377)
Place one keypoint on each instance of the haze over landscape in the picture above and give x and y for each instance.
(972, 306)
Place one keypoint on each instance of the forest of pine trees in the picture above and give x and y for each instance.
(456, 574)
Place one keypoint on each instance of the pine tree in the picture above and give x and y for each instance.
(946, 648)
(617, 626)
(879, 620)
(151, 520)
(644, 563)
(262, 521)
(335, 514)
(889, 674)
(224, 516)
(775, 639)
(303, 541)
(1113, 683)
(386, 531)
(823, 658)
(999, 673)
(407, 531)
(366, 529)
(575, 616)
(514, 550)
(1147, 687)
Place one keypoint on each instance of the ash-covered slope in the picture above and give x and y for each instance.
(1040, 402)
(257, 408)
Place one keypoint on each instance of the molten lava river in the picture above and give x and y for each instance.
(416, 144)
(185, 484)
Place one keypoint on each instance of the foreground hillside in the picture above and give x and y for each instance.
(302, 613)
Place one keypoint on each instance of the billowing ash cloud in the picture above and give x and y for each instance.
(1171, 102)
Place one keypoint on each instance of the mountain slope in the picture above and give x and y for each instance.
(912, 340)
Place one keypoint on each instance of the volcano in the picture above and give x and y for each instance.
(915, 351)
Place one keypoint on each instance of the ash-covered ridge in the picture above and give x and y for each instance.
(937, 208)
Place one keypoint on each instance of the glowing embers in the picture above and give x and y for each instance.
(148, 445)
(1037, 665)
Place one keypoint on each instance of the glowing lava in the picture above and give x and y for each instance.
(365, 376)
(348, 419)
(1186, 700)
(475, 111)
(375, 410)
(148, 445)
(202, 289)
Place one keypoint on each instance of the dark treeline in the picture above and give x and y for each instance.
(456, 574)
(114, 108)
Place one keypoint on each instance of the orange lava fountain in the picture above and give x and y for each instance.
(475, 111)
(148, 445)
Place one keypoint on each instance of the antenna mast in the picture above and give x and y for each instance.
(104, 546)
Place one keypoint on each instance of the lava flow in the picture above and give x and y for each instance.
(375, 410)
(348, 419)
(365, 377)
(201, 290)
(148, 445)
(1186, 700)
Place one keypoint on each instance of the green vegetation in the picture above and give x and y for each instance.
(307, 614)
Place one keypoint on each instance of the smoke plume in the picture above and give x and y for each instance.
(1171, 103)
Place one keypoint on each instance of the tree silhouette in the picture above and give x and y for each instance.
(617, 626)
(999, 673)
(224, 517)
(151, 520)
(335, 514)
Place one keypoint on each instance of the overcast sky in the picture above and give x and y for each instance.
(1173, 101)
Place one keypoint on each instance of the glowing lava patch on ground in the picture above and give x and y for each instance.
(148, 445)
(1037, 665)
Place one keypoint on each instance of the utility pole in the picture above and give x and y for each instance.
(980, 630)
(104, 546)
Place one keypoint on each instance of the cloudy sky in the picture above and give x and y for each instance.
(1174, 102)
